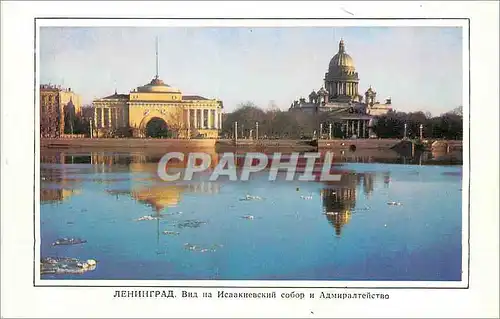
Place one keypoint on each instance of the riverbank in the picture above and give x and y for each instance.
(125, 143)
(223, 145)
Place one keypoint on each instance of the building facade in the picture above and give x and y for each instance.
(157, 110)
(185, 116)
(350, 113)
(58, 109)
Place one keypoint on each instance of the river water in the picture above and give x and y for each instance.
(257, 229)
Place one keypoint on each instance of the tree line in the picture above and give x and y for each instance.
(445, 126)
(275, 123)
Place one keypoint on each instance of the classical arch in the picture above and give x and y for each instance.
(156, 127)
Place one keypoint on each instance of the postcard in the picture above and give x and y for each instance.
(202, 161)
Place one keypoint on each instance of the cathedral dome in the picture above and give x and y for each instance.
(341, 60)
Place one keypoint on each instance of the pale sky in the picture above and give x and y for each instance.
(421, 68)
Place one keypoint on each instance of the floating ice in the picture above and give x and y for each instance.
(190, 223)
(66, 265)
(201, 249)
(251, 197)
(68, 241)
(170, 232)
(147, 217)
(394, 203)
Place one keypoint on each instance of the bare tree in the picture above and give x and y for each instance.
(177, 121)
(49, 116)
(457, 111)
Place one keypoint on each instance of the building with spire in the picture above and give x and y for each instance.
(156, 110)
(350, 113)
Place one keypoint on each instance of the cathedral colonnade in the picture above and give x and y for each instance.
(342, 88)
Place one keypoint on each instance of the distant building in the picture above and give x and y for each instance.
(340, 97)
(154, 108)
(57, 106)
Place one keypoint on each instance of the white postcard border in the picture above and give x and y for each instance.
(20, 298)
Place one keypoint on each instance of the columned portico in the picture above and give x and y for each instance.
(202, 123)
(102, 117)
(206, 120)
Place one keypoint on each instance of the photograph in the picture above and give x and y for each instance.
(268, 153)
(218, 159)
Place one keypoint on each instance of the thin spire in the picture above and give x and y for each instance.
(341, 45)
(157, 61)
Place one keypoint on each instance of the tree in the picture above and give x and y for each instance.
(457, 111)
(247, 114)
(391, 125)
(177, 122)
(49, 117)
(296, 124)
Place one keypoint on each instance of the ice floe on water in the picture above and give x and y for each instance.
(171, 214)
(188, 223)
(147, 217)
(170, 232)
(360, 209)
(202, 249)
(66, 265)
(157, 216)
(68, 241)
(394, 203)
(250, 197)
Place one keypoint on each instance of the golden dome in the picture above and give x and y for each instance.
(157, 86)
(341, 59)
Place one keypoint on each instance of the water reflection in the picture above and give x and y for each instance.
(110, 158)
(339, 200)
(395, 157)
(154, 155)
(140, 227)
(160, 197)
(48, 195)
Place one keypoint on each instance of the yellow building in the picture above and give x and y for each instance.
(155, 104)
(157, 110)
